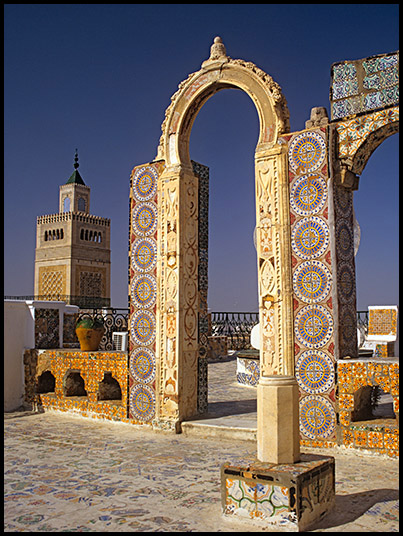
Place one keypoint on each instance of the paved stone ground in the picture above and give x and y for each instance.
(65, 473)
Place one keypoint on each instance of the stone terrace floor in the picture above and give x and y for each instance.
(64, 473)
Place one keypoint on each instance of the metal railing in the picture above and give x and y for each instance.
(235, 326)
(84, 302)
(363, 320)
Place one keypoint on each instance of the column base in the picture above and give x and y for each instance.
(279, 497)
(278, 436)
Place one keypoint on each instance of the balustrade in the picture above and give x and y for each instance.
(236, 326)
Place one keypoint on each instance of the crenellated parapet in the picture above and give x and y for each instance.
(77, 216)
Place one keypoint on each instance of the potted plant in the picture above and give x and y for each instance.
(89, 332)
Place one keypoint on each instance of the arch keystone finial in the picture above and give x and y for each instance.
(217, 51)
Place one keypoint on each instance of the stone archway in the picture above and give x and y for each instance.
(356, 139)
(164, 252)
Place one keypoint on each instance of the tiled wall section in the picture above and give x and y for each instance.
(372, 436)
(91, 366)
(143, 291)
(382, 321)
(352, 133)
(312, 285)
(364, 85)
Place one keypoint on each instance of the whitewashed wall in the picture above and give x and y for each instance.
(19, 335)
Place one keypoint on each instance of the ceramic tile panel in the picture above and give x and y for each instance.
(248, 371)
(257, 500)
(364, 85)
(143, 291)
(382, 330)
(352, 133)
(382, 322)
(312, 284)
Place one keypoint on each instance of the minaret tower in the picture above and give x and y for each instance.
(72, 256)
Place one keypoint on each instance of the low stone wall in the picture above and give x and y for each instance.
(357, 427)
(380, 435)
(64, 366)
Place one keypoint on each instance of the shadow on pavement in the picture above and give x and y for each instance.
(350, 507)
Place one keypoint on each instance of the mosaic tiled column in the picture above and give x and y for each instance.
(312, 284)
(345, 284)
(168, 287)
(143, 291)
(202, 172)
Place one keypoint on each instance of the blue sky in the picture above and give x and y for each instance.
(99, 77)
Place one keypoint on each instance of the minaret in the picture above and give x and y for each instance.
(72, 256)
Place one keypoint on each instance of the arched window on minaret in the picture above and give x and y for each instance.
(81, 204)
(66, 205)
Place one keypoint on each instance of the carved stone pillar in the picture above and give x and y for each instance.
(277, 392)
(179, 299)
(274, 263)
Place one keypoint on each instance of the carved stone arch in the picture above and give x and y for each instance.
(374, 139)
(217, 74)
(172, 348)
(357, 138)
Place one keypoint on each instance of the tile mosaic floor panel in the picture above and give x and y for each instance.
(68, 474)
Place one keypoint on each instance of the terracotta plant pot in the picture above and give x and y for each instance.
(89, 338)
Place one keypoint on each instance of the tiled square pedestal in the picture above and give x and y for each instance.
(286, 497)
